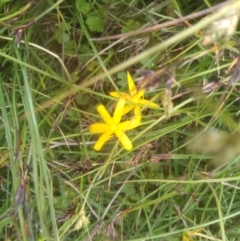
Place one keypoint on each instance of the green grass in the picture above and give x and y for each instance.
(179, 182)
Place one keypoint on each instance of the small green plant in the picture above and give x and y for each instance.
(93, 15)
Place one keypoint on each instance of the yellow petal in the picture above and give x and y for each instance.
(147, 103)
(128, 125)
(102, 140)
(131, 85)
(138, 113)
(127, 144)
(98, 128)
(118, 111)
(141, 93)
(116, 94)
(104, 114)
(126, 109)
(121, 94)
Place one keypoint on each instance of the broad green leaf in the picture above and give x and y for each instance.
(131, 25)
(83, 6)
(95, 24)
(63, 38)
(81, 99)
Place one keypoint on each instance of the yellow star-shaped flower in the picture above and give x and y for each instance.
(112, 126)
(135, 98)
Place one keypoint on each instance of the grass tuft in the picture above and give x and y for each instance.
(59, 61)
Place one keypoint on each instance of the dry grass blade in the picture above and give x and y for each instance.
(20, 195)
(235, 77)
(151, 80)
(165, 25)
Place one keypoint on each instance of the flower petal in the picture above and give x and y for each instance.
(118, 111)
(126, 109)
(147, 103)
(116, 94)
(131, 85)
(127, 144)
(98, 128)
(128, 125)
(102, 140)
(141, 93)
(104, 114)
(123, 95)
(138, 113)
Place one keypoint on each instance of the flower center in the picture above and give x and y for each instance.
(135, 99)
(113, 127)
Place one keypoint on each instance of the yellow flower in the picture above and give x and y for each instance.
(112, 126)
(135, 98)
